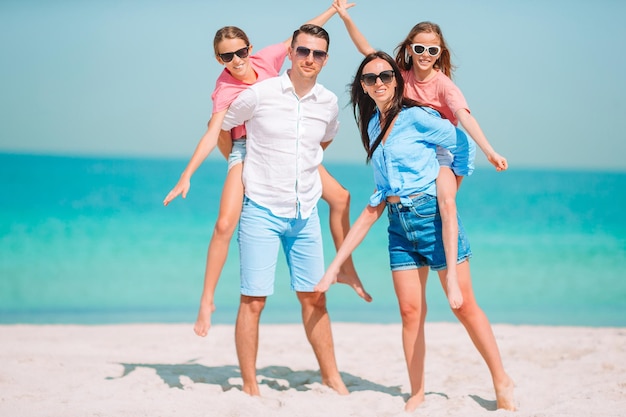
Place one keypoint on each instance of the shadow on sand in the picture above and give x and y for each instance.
(279, 378)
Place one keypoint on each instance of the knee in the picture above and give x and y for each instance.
(468, 309)
(225, 226)
(447, 204)
(252, 305)
(339, 199)
(314, 301)
(412, 313)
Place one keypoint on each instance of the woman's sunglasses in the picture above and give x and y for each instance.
(369, 79)
(241, 53)
(303, 52)
(419, 49)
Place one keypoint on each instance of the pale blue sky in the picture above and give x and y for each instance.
(545, 79)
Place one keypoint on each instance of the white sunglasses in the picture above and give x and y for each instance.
(419, 49)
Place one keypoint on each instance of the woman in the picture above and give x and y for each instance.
(241, 69)
(401, 139)
(426, 67)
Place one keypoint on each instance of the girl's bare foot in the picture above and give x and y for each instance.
(203, 322)
(353, 280)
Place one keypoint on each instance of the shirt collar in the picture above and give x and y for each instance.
(287, 86)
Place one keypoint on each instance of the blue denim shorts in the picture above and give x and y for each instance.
(415, 235)
(260, 235)
(462, 160)
(238, 153)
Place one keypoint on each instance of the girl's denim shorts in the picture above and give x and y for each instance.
(415, 235)
(238, 153)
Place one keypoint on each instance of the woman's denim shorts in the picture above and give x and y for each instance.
(415, 235)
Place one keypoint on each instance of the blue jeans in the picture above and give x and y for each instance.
(261, 233)
(415, 235)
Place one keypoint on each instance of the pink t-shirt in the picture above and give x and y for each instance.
(266, 63)
(439, 92)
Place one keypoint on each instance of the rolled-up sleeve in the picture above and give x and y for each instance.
(241, 110)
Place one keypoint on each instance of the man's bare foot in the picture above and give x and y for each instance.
(455, 297)
(504, 395)
(414, 402)
(203, 322)
(336, 384)
(353, 280)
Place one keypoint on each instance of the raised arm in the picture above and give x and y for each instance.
(203, 149)
(324, 17)
(355, 34)
(470, 124)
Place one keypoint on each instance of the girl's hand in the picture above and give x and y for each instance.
(342, 6)
(498, 161)
(182, 187)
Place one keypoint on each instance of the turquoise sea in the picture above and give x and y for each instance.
(87, 240)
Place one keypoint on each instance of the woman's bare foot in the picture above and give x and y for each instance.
(203, 322)
(251, 389)
(504, 395)
(455, 297)
(414, 402)
(336, 384)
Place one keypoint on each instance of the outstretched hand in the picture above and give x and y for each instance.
(342, 6)
(498, 161)
(182, 187)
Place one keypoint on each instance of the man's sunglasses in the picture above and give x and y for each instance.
(386, 77)
(241, 53)
(303, 52)
(419, 49)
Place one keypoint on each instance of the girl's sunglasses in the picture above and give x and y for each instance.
(369, 79)
(419, 49)
(241, 53)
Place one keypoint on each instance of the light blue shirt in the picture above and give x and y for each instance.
(406, 164)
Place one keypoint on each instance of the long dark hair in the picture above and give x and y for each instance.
(364, 107)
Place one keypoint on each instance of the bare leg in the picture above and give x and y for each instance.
(230, 210)
(446, 198)
(410, 287)
(479, 329)
(338, 199)
(318, 331)
(247, 340)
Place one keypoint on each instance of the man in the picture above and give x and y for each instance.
(289, 120)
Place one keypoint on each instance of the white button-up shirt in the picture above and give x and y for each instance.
(283, 146)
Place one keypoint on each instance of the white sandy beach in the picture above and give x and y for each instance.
(165, 370)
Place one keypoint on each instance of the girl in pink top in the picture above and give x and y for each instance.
(232, 49)
(424, 60)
